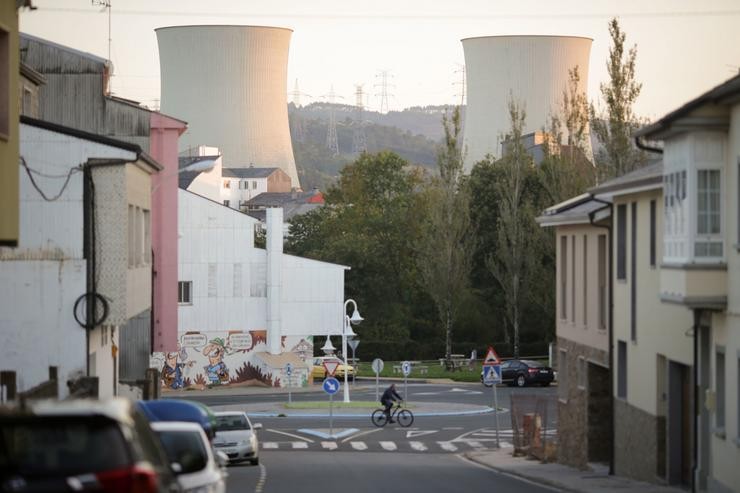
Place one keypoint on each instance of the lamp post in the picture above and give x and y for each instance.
(347, 323)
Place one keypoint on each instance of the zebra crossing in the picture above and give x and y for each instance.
(411, 446)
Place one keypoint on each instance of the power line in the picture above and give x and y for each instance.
(31, 172)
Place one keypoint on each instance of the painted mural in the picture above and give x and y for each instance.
(234, 358)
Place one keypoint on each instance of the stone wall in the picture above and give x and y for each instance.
(635, 442)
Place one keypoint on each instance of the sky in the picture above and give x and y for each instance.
(684, 47)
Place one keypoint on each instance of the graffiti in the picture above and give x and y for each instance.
(195, 340)
(216, 370)
(172, 371)
(240, 341)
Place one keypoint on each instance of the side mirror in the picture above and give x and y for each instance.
(176, 468)
(222, 459)
(257, 426)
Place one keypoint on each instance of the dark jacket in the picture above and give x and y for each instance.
(390, 395)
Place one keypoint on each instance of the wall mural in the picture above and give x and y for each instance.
(234, 358)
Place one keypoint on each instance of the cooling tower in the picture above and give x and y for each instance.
(531, 69)
(230, 84)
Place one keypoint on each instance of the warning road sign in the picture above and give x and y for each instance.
(331, 366)
(491, 357)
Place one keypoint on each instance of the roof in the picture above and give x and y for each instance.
(575, 213)
(250, 172)
(185, 178)
(29, 73)
(650, 176)
(281, 199)
(84, 54)
(101, 139)
(726, 93)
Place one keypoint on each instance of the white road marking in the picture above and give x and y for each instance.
(475, 444)
(290, 435)
(447, 446)
(358, 445)
(426, 393)
(329, 445)
(360, 434)
(453, 428)
(261, 481)
(388, 446)
(420, 433)
(462, 437)
(269, 445)
(458, 390)
(299, 445)
(419, 446)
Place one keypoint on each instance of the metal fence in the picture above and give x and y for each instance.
(534, 421)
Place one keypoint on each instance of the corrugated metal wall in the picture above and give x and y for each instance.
(135, 341)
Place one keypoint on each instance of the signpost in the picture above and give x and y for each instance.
(492, 375)
(288, 373)
(377, 368)
(331, 367)
(331, 387)
(353, 343)
(406, 369)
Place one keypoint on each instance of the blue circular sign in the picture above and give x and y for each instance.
(331, 385)
(288, 369)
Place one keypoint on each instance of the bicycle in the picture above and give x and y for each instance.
(403, 417)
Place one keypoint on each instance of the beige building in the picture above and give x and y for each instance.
(582, 294)
(699, 276)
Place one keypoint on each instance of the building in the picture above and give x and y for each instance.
(293, 203)
(582, 236)
(533, 70)
(698, 277)
(85, 208)
(247, 115)
(240, 185)
(244, 310)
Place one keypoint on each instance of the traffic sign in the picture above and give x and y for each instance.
(492, 374)
(330, 365)
(377, 365)
(353, 343)
(288, 369)
(491, 357)
(331, 385)
(406, 368)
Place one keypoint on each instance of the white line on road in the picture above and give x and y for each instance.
(329, 445)
(290, 435)
(462, 437)
(360, 434)
(269, 445)
(261, 481)
(299, 445)
(475, 444)
(418, 446)
(358, 445)
(420, 433)
(453, 428)
(388, 446)
(447, 446)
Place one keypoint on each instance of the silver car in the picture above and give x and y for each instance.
(236, 436)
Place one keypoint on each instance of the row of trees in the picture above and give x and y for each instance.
(447, 262)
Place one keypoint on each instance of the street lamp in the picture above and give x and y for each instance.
(347, 323)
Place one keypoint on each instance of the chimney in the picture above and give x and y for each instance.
(274, 220)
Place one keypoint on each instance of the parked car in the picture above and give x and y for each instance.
(82, 445)
(319, 372)
(236, 436)
(180, 410)
(191, 457)
(524, 372)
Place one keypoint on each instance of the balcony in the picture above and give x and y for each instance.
(694, 285)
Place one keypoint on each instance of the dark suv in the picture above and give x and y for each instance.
(81, 445)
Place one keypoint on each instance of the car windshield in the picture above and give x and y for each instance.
(532, 364)
(185, 448)
(52, 446)
(230, 423)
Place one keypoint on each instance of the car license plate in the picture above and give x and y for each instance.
(544, 371)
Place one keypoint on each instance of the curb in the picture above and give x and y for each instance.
(277, 414)
(534, 479)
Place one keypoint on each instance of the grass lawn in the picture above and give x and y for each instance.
(337, 404)
(434, 370)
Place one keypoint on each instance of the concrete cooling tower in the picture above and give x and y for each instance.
(531, 69)
(230, 84)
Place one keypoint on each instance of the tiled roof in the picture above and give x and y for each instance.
(250, 172)
(650, 174)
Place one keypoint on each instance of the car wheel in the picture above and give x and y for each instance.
(521, 381)
(256, 462)
(545, 384)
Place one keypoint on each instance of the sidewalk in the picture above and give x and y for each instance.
(563, 477)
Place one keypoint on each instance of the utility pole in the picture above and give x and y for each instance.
(384, 94)
(332, 143)
(359, 140)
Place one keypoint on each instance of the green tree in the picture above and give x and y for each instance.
(617, 125)
(445, 245)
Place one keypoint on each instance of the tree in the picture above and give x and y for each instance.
(445, 247)
(514, 261)
(616, 127)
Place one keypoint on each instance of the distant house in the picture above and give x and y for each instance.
(240, 185)
(293, 203)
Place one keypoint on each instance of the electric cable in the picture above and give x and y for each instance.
(30, 172)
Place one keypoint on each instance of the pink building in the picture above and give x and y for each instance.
(163, 139)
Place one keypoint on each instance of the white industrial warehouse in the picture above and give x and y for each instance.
(533, 70)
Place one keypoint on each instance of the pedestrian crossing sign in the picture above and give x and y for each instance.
(491, 357)
(492, 374)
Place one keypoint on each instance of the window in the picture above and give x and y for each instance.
(226, 203)
(622, 241)
(737, 393)
(185, 292)
(708, 214)
(131, 236)
(633, 273)
(573, 279)
(139, 236)
(719, 388)
(563, 374)
(27, 102)
(227, 183)
(585, 280)
(254, 184)
(5, 72)
(563, 277)
(602, 281)
(147, 237)
(652, 233)
(622, 369)
(581, 372)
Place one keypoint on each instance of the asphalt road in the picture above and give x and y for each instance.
(370, 472)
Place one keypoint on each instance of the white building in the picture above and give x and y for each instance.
(255, 310)
(52, 267)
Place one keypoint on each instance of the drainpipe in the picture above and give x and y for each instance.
(610, 278)
(641, 145)
(697, 387)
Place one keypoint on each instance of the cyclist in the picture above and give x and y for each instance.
(388, 398)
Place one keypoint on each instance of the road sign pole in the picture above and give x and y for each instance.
(495, 412)
(377, 386)
(331, 415)
(290, 397)
(405, 390)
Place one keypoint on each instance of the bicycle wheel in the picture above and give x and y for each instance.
(405, 418)
(379, 418)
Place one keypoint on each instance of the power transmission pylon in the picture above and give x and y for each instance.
(462, 82)
(384, 94)
(297, 120)
(332, 143)
(359, 141)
